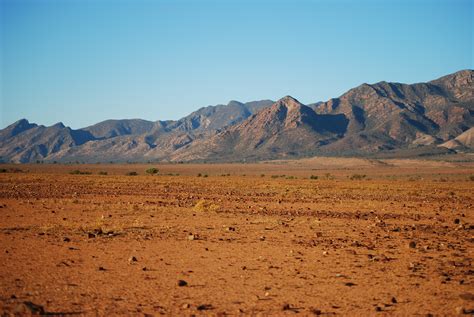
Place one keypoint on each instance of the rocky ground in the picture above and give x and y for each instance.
(308, 237)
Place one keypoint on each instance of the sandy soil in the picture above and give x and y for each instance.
(365, 238)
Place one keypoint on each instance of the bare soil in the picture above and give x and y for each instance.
(367, 237)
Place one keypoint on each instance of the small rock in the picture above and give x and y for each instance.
(412, 244)
(132, 259)
(90, 235)
(144, 268)
(101, 268)
(316, 312)
(192, 237)
(204, 307)
(394, 300)
(29, 308)
(182, 283)
(457, 221)
(286, 307)
(459, 310)
(185, 306)
(378, 308)
(230, 229)
(66, 239)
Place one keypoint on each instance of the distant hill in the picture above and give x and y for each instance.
(382, 118)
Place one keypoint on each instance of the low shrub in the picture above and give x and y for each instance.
(152, 171)
(78, 172)
(358, 177)
(131, 173)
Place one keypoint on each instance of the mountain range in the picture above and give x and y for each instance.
(383, 118)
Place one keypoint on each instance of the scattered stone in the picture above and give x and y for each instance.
(350, 284)
(286, 307)
(182, 283)
(457, 221)
(66, 239)
(204, 307)
(394, 300)
(132, 260)
(378, 308)
(412, 244)
(101, 268)
(90, 235)
(316, 312)
(27, 308)
(192, 237)
(230, 229)
(185, 306)
(144, 268)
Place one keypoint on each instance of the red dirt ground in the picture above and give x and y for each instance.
(398, 240)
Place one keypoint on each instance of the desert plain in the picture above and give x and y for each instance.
(320, 236)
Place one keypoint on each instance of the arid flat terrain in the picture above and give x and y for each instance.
(322, 236)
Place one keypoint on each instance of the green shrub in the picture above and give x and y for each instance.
(152, 171)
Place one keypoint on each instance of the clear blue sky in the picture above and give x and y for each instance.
(84, 61)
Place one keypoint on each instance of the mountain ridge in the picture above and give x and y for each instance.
(365, 120)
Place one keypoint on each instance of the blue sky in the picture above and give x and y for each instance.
(83, 61)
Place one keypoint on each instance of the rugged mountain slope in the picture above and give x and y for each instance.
(220, 116)
(112, 128)
(30, 142)
(387, 116)
(287, 128)
(463, 141)
(118, 140)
